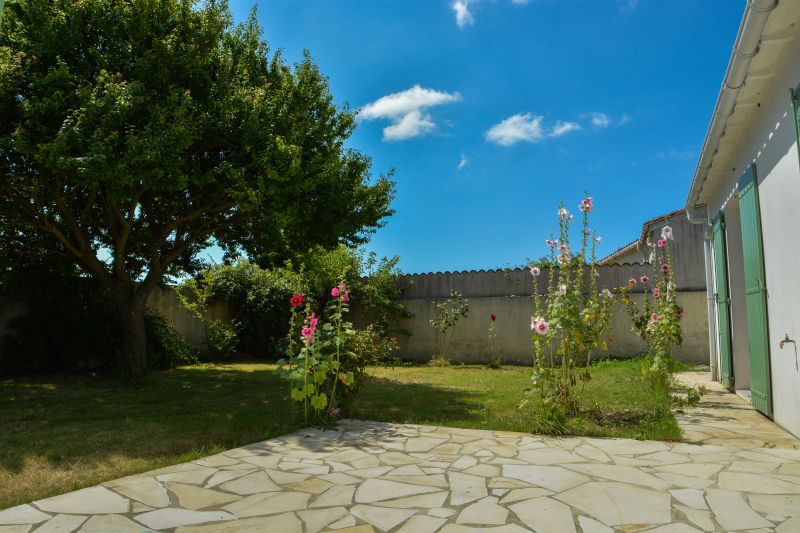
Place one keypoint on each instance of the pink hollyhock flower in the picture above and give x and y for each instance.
(665, 267)
(335, 292)
(587, 205)
(296, 300)
(309, 327)
(345, 297)
(562, 248)
(644, 279)
(666, 233)
(493, 317)
(564, 258)
(535, 271)
(563, 214)
(534, 320)
(542, 327)
(632, 282)
(562, 289)
(581, 208)
(662, 243)
(548, 242)
(571, 218)
(654, 318)
(656, 292)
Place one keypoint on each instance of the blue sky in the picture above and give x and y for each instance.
(492, 111)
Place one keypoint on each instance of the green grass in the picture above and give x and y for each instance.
(616, 403)
(64, 432)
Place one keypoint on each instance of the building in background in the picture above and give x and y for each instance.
(746, 195)
(686, 247)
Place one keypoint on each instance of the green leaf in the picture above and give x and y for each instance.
(319, 402)
(298, 395)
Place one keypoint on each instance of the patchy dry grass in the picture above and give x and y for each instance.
(68, 431)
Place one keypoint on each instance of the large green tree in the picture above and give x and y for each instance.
(134, 133)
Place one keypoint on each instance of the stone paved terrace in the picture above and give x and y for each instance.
(369, 477)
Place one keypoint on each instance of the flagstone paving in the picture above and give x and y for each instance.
(368, 477)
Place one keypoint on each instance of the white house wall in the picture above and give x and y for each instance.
(771, 142)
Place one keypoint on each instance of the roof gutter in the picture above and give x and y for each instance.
(746, 47)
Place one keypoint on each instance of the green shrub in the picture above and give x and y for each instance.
(368, 348)
(256, 297)
(166, 348)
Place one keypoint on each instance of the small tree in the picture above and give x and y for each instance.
(135, 134)
(445, 319)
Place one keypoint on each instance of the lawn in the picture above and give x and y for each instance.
(64, 432)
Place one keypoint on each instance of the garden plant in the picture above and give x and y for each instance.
(570, 318)
(657, 319)
(448, 313)
(327, 358)
(494, 358)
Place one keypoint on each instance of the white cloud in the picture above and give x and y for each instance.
(527, 128)
(462, 162)
(562, 128)
(463, 14)
(516, 128)
(600, 120)
(406, 110)
(409, 125)
(463, 11)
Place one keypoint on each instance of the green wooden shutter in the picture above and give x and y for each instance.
(723, 302)
(795, 94)
(755, 292)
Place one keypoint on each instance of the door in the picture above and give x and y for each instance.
(722, 297)
(755, 292)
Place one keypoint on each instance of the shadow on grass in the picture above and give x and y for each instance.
(80, 419)
(386, 400)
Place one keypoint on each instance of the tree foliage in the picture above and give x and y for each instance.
(141, 131)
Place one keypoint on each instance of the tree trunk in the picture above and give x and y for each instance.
(134, 338)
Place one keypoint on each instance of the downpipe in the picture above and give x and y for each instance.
(713, 361)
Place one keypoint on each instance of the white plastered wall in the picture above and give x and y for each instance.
(771, 143)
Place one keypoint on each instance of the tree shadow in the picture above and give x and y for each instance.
(386, 400)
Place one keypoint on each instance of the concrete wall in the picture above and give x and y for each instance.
(166, 302)
(771, 143)
(509, 295)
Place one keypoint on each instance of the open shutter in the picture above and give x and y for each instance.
(723, 301)
(795, 94)
(755, 292)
